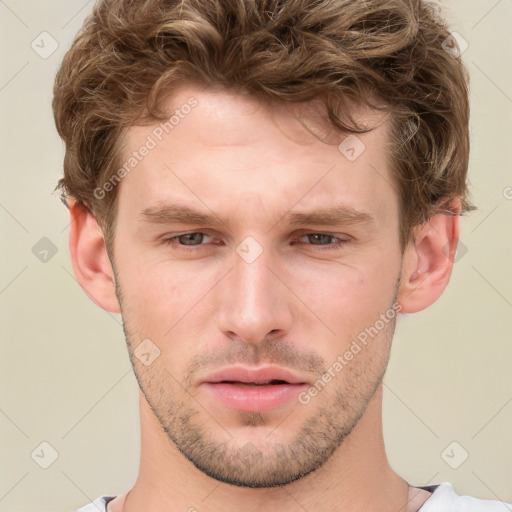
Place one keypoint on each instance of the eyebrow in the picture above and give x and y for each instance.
(337, 215)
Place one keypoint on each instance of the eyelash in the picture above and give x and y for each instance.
(172, 241)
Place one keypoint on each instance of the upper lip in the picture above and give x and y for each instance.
(253, 375)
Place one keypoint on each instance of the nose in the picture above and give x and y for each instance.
(254, 303)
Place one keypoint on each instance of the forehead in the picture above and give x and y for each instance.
(227, 151)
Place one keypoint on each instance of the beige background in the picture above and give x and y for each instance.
(65, 375)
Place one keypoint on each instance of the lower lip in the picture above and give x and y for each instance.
(254, 398)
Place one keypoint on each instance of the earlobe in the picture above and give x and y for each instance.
(89, 258)
(428, 262)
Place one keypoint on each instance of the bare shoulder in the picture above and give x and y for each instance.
(417, 497)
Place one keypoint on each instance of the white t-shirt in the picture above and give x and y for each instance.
(443, 499)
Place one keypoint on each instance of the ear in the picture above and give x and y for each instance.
(428, 261)
(90, 260)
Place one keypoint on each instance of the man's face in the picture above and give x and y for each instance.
(256, 285)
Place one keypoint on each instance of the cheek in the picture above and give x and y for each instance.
(343, 300)
(149, 292)
(339, 292)
(167, 299)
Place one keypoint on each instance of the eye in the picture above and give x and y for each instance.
(323, 239)
(189, 239)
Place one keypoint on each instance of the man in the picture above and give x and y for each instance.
(260, 188)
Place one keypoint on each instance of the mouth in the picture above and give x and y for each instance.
(263, 376)
(273, 382)
(255, 390)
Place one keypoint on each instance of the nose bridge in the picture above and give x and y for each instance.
(252, 304)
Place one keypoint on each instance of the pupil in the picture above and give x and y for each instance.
(190, 238)
(318, 238)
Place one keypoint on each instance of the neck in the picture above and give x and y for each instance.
(357, 477)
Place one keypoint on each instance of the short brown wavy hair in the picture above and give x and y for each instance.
(130, 54)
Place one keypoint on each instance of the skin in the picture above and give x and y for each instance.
(298, 305)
